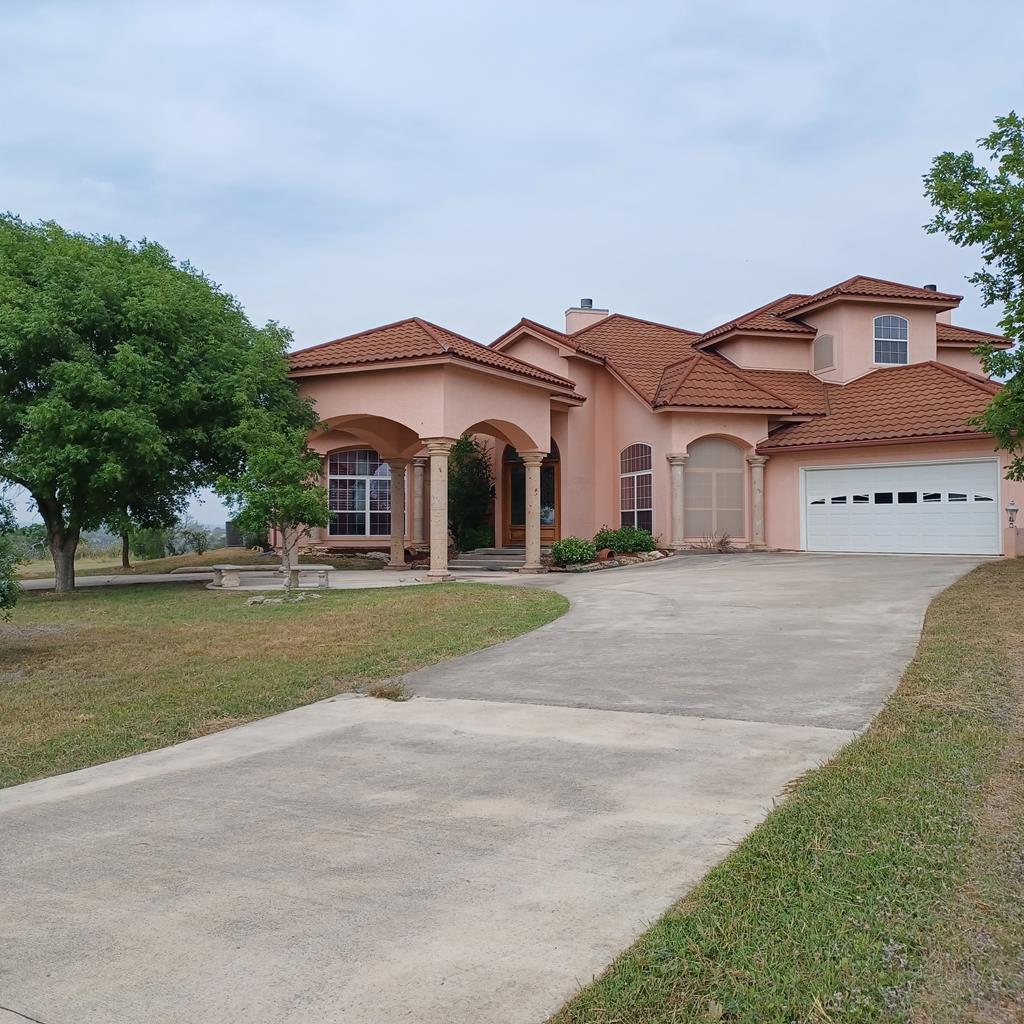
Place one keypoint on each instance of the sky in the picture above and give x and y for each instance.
(339, 166)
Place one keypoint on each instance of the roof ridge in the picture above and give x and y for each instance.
(432, 328)
(834, 289)
(750, 314)
(982, 383)
(358, 334)
(731, 367)
(636, 320)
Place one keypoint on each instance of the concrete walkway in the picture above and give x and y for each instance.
(471, 855)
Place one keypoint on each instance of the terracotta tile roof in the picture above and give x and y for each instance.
(705, 380)
(768, 317)
(638, 350)
(413, 339)
(803, 392)
(872, 287)
(953, 334)
(900, 402)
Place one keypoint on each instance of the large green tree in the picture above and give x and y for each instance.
(979, 201)
(123, 377)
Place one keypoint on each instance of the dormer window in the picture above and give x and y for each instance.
(891, 334)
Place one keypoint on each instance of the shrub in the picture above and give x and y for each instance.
(476, 537)
(470, 491)
(626, 540)
(9, 586)
(573, 551)
(149, 543)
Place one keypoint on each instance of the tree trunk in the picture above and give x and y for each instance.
(63, 542)
(125, 563)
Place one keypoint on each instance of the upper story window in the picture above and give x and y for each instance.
(891, 334)
(359, 490)
(636, 487)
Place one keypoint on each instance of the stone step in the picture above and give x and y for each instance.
(489, 566)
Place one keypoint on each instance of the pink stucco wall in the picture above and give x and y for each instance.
(851, 324)
(768, 353)
(961, 358)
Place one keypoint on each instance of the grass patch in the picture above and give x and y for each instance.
(42, 568)
(890, 884)
(106, 672)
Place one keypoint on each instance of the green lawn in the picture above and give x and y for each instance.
(106, 672)
(890, 885)
(42, 568)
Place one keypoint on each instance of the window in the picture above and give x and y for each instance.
(883, 498)
(891, 334)
(839, 499)
(907, 497)
(983, 497)
(956, 496)
(714, 491)
(824, 352)
(359, 492)
(861, 499)
(932, 496)
(636, 487)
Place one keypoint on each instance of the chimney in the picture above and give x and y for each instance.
(931, 287)
(583, 315)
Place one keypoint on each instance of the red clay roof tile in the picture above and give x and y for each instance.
(769, 317)
(413, 339)
(920, 400)
(703, 380)
(861, 286)
(954, 334)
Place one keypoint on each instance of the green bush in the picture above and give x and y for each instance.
(9, 586)
(626, 540)
(476, 537)
(573, 551)
(148, 543)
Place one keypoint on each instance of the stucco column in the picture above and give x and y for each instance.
(419, 519)
(439, 447)
(677, 460)
(397, 490)
(532, 461)
(757, 541)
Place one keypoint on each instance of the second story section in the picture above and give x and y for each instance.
(850, 329)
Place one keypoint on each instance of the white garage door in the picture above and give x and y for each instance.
(923, 507)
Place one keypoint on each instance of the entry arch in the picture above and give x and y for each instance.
(513, 496)
(715, 490)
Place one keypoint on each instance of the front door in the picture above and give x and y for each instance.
(514, 499)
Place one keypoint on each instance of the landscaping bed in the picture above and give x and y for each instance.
(106, 672)
(889, 886)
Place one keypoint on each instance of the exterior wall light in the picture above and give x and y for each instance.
(1011, 513)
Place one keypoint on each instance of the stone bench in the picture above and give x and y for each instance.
(229, 576)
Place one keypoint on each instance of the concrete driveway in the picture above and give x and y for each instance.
(471, 855)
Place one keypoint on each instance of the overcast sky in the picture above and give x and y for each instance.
(338, 166)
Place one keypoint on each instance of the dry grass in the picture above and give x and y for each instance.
(889, 887)
(43, 568)
(107, 672)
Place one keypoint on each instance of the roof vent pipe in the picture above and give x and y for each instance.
(930, 288)
(586, 303)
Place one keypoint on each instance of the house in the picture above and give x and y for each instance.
(832, 421)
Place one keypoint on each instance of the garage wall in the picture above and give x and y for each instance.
(782, 478)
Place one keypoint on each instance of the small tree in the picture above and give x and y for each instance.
(9, 558)
(470, 489)
(279, 487)
(196, 537)
(984, 206)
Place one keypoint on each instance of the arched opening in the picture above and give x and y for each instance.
(892, 340)
(513, 493)
(636, 486)
(715, 489)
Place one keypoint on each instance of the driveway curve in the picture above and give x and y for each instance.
(471, 855)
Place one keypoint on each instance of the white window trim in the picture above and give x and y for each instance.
(881, 465)
(636, 473)
(875, 339)
(367, 511)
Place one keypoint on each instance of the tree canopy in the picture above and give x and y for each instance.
(9, 586)
(124, 376)
(980, 202)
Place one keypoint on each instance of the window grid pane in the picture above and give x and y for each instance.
(635, 459)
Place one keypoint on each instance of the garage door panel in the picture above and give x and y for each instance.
(921, 508)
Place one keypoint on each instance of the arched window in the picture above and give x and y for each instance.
(636, 487)
(359, 491)
(891, 334)
(714, 489)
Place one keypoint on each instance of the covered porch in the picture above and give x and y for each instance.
(387, 430)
